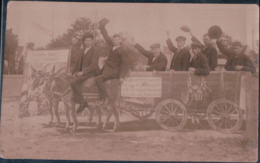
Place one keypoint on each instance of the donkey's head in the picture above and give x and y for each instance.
(38, 77)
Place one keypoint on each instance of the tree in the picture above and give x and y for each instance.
(78, 29)
(11, 44)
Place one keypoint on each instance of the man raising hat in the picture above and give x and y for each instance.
(181, 58)
(116, 65)
(199, 63)
(238, 61)
(156, 59)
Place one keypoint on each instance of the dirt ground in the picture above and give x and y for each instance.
(32, 138)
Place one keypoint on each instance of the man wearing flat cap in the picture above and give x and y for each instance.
(181, 58)
(87, 65)
(199, 62)
(238, 61)
(156, 59)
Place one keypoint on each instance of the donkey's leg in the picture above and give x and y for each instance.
(56, 111)
(91, 114)
(51, 111)
(116, 115)
(66, 108)
(99, 120)
(109, 114)
(71, 107)
(114, 111)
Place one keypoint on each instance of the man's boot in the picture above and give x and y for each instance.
(82, 106)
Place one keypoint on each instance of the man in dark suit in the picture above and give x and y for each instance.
(238, 61)
(199, 62)
(87, 65)
(210, 52)
(181, 58)
(156, 59)
(116, 65)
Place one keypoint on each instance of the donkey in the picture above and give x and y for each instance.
(56, 88)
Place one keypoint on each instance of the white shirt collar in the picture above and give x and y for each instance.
(115, 47)
(87, 49)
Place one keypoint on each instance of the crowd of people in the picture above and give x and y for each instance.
(200, 58)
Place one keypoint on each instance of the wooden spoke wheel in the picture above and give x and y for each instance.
(171, 115)
(224, 116)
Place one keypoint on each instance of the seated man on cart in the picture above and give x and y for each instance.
(116, 65)
(199, 63)
(238, 61)
(156, 59)
(181, 58)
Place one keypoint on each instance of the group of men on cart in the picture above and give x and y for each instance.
(202, 59)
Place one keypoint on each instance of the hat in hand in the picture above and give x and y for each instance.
(215, 32)
(103, 22)
(185, 28)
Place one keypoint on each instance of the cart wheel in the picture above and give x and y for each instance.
(171, 115)
(142, 113)
(224, 116)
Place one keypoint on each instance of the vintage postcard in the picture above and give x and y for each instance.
(130, 81)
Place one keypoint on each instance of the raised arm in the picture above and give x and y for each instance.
(171, 46)
(106, 36)
(143, 51)
(227, 52)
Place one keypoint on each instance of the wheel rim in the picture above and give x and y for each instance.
(171, 115)
(225, 116)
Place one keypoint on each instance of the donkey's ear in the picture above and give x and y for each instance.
(45, 67)
(53, 69)
(33, 69)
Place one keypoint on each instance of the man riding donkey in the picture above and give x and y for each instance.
(115, 67)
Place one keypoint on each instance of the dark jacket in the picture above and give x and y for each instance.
(210, 52)
(75, 57)
(200, 63)
(181, 59)
(117, 62)
(240, 60)
(89, 62)
(158, 64)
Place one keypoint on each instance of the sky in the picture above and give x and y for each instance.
(39, 22)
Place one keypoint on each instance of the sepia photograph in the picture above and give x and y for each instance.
(130, 82)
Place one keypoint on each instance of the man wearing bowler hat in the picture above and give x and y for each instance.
(86, 68)
(199, 62)
(181, 58)
(156, 59)
(238, 61)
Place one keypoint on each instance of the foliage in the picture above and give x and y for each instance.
(11, 44)
(78, 29)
